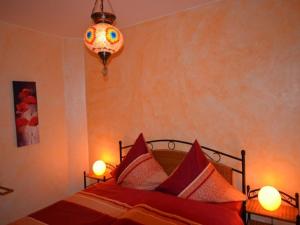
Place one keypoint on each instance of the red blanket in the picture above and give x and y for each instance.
(111, 204)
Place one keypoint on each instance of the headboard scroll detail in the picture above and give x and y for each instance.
(213, 154)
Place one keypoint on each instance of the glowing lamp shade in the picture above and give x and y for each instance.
(99, 167)
(103, 37)
(269, 198)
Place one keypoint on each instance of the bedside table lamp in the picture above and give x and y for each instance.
(99, 167)
(269, 198)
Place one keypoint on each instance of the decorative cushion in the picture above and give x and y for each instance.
(193, 163)
(196, 178)
(169, 160)
(139, 169)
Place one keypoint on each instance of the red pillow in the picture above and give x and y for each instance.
(139, 169)
(196, 178)
(139, 147)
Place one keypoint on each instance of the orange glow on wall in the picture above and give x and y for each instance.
(107, 156)
(269, 198)
(216, 81)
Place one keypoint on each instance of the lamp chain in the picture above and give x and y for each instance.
(110, 5)
(95, 6)
(102, 6)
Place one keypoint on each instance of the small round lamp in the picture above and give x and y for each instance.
(99, 167)
(269, 198)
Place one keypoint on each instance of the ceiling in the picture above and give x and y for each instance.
(70, 18)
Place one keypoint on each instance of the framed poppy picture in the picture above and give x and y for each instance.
(26, 113)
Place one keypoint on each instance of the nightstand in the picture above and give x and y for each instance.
(288, 212)
(102, 178)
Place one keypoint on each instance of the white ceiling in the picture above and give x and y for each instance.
(70, 18)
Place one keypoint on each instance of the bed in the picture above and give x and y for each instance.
(114, 203)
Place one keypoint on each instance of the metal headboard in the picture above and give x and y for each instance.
(171, 144)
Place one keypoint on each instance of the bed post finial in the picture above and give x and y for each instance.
(120, 151)
(243, 154)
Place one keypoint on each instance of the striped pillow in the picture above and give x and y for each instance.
(196, 178)
(139, 169)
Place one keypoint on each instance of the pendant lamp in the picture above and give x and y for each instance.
(103, 38)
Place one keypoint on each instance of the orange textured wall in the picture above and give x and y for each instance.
(75, 110)
(37, 173)
(46, 172)
(226, 73)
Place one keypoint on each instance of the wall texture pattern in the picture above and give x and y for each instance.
(75, 109)
(226, 73)
(46, 172)
(34, 171)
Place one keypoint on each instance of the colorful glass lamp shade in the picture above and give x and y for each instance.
(103, 38)
(99, 167)
(269, 198)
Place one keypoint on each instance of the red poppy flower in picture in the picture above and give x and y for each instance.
(26, 113)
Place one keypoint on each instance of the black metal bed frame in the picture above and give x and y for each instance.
(219, 154)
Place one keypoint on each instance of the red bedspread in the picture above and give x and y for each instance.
(111, 204)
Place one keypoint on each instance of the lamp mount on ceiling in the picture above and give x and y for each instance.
(101, 16)
(103, 38)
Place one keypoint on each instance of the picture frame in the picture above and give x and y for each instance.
(26, 112)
